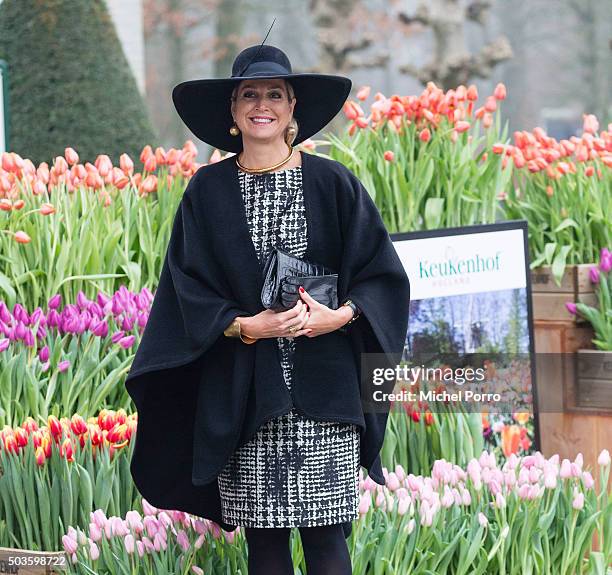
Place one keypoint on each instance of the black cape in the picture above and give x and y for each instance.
(200, 394)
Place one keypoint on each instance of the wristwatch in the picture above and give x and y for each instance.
(233, 330)
(356, 314)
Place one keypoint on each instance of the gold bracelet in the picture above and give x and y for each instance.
(233, 330)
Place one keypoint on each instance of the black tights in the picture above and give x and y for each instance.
(325, 550)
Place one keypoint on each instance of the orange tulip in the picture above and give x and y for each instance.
(510, 439)
(149, 184)
(590, 124)
(103, 164)
(71, 156)
(47, 209)
(172, 156)
(147, 151)
(472, 93)
(190, 147)
(150, 164)
(126, 164)
(60, 166)
(500, 92)
(363, 93)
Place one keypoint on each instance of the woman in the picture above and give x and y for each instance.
(267, 428)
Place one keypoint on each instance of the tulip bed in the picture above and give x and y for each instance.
(83, 247)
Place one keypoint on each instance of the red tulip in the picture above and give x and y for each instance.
(389, 156)
(425, 135)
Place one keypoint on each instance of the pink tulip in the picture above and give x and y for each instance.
(70, 544)
(365, 501)
(588, 480)
(604, 458)
(566, 469)
(393, 482)
(403, 506)
(200, 541)
(95, 533)
(94, 551)
(183, 540)
(482, 519)
(578, 501)
(129, 543)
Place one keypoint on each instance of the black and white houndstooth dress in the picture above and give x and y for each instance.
(295, 472)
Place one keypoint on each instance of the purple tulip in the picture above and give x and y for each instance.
(63, 365)
(594, 275)
(605, 261)
(571, 307)
(54, 302)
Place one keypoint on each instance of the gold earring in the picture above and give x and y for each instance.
(234, 130)
(289, 134)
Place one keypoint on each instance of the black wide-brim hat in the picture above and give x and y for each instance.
(204, 105)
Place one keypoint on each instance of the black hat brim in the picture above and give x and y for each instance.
(204, 105)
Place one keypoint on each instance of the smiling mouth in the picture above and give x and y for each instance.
(261, 123)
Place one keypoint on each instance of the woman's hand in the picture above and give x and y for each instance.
(322, 318)
(269, 323)
(309, 316)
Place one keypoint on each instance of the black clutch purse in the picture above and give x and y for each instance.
(284, 274)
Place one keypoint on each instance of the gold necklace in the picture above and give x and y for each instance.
(270, 168)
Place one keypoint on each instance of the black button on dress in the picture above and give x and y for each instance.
(295, 471)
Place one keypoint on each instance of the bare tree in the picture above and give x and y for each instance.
(452, 63)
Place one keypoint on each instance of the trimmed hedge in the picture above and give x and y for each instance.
(70, 83)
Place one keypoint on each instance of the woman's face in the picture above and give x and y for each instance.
(264, 98)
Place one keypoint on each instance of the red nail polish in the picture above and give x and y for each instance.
(301, 289)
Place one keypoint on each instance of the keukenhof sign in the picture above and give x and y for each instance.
(470, 315)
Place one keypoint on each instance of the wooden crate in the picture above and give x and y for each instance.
(25, 562)
(549, 299)
(593, 381)
(564, 427)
